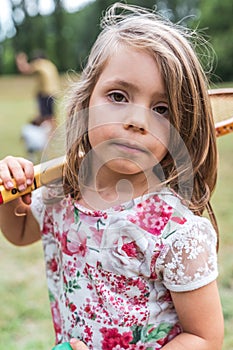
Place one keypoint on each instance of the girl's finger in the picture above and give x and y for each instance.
(78, 345)
(5, 175)
(28, 170)
(18, 168)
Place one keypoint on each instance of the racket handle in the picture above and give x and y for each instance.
(44, 174)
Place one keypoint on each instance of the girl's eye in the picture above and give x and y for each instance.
(161, 110)
(117, 97)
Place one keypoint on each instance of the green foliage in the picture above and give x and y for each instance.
(216, 17)
(68, 37)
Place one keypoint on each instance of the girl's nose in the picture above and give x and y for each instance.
(137, 120)
(135, 128)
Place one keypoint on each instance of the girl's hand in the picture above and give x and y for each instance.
(77, 345)
(21, 170)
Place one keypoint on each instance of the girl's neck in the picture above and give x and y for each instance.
(105, 190)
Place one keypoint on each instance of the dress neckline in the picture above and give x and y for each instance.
(121, 207)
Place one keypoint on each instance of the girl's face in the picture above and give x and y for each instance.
(128, 124)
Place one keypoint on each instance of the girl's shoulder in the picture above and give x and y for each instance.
(166, 215)
(165, 203)
(188, 258)
(182, 218)
(46, 201)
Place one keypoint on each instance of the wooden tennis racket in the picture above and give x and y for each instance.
(44, 174)
(222, 106)
(47, 172)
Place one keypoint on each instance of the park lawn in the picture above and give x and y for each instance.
(25, 321)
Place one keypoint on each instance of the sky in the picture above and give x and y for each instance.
(46, 7)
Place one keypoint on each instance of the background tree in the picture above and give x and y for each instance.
(216, 17)
(59, 40)
(68, 37)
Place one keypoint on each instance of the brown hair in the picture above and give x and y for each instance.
(187, 90)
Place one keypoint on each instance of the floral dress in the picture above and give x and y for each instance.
(110, 272)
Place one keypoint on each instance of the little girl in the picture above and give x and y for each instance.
(131, 263)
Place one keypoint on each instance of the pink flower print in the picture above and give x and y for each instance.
(140, 285)
(47, 226)
(90, 309)
(112, 339)
(126, 339)
(139, 346)
(87, 334)
(89, 219)
(130, 249)
(127, 247)
(87, 309)
(97, 235)
(158, 248)
(56, 317)
(89, 286)
(64, 244)
(179, 220)
(74, 242)
(72, 307)
(52, 265)
(99, 214)
(65, 280)
(167, 296)
(176, 330)
(152, 215)
(120, 300)
(68, 218)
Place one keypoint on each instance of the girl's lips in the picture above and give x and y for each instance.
(129, 147)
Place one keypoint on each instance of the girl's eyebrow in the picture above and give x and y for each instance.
(135, 88)
(122, 83)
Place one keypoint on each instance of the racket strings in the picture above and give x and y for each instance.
(222, 107)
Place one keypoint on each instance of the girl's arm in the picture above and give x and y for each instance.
(19, 230)
(17, 222)
(200, 315)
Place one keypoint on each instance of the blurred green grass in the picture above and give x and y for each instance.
(25, 321)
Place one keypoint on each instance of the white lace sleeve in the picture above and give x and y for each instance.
(189, 259)
(37, 206)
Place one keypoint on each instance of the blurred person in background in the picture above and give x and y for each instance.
(35, 133)
(47, 78)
